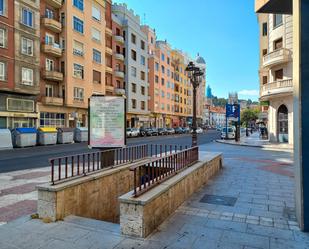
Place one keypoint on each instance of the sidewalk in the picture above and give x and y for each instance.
(254, 141)
(249, 205)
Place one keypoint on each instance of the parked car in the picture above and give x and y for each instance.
(135, 132)
(152, 132)
(170, 131)
(230, 133)
(198, 130)
(142, 131)
(178, 130)
(129, 132)
(162, 131)
(186, 130)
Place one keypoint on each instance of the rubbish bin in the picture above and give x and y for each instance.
(81, 134)
(24, 137)
(47, 135)
(65, 135)
(5, 139)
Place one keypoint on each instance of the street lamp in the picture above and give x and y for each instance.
(195, 75)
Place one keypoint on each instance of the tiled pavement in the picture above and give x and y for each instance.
(263, 215)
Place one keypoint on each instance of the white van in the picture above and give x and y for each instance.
(230, 133)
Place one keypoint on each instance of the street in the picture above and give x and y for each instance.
(37, 157)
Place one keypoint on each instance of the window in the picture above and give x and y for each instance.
(133, 54)
(157, 79)
(157, 66)
(143, 60)
(62, 18)
(162, 94)
(133, 71)
(52, 119)
(142, 45)
(162, 106)
(96, 75)
(96, 13)
(168, 72)
(279, 74)
(168, 60)
(264, 52)
(27, 76)
(49, 91)
(151, 40)
(78, 48)
(48, 13)
(3, 38)
(157, 92)
(163, 69)
(78, 25)
(96, 56)
(142, 90)
(278, 44)
(2, 71)
(49, 65)
(96, 34)
(264, 80)
(162, 57)
(143, 105)
(2, 7)
(78, 94)
(133, 102)
(277, 20)
(133, 38)
(49, 39)
(143, 75)
(133, 87)
(26, 46)
(27, 17)
(265, 29)
(162, 81)
(168, 95)
(79, 4)
(78, 71)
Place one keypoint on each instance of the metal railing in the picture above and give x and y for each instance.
(156, 171)
(79, 165)
(277, 85)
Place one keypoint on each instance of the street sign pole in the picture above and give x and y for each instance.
(226, 122)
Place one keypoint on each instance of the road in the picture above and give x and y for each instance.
(36, 157)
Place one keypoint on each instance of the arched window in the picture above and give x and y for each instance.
(283, 124)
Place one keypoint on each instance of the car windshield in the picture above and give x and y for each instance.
(228, 130)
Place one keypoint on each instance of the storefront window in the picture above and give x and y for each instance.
(52, 119)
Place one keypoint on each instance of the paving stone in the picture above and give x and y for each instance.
(270, 231)
(287, 244)
(227, 225)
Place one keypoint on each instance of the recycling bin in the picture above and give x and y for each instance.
(65, 135)
(81, 134)
(5, 139)
(47, 135)
(24, 137)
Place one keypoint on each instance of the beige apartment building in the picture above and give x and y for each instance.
(74, 59)
(276, 84)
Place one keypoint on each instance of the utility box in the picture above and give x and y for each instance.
(5, 139)
(65, 135)
(47, 135)
(81, 134)
(24, 137)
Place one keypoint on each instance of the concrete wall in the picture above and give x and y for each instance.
(142, 215)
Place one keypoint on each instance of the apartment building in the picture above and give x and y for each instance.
(136, 65)
(276, 84)
(75, 58)
(19, 62)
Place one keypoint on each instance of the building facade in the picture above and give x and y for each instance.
(136, 64)
(276, 84)
(217, 116)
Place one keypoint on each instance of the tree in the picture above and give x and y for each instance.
(248, 115)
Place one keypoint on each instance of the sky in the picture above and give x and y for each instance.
(224, 32)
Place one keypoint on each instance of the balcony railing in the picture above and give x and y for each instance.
(53, 74)
(119, 74)
(119, 39)
(119, 56)
(276, 57)
(54, 3)
(52, 24)
(53, 49)
(277, 87)
(120, 91)
(52, 101)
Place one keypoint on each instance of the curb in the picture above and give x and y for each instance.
(254, 146)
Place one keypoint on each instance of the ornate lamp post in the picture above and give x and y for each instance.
(195, 75)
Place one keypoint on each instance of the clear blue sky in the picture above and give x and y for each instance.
(225, 33)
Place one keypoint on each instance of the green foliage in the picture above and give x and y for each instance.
(219, 101)
(248, 115)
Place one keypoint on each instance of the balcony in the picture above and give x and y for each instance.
(108, 50)
(119, 74)
(119, 57)
(55, 3)
(109, 88)
(52, 49)
(119, 39)
(277, 57)
(278, 88)
(52, 75)
(108, 31)
(274, 6)
(120, 91)
(108, 69)
(52, 101)
(52, 24)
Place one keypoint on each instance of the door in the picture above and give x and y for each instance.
(283, 124)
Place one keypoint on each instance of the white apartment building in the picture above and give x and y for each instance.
(276, 84)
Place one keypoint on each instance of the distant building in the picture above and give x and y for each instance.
(217, 116)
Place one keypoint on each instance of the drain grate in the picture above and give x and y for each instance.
(219, 200)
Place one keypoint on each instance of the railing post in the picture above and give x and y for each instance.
(52, 171)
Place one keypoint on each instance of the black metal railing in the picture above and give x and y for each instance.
(79, 165)
(157, 170)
